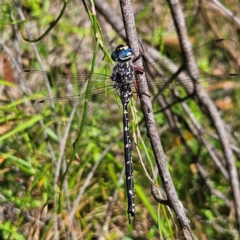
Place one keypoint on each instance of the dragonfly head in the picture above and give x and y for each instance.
(122, 53)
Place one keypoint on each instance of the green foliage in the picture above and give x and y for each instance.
(9, 231)
(42, 177)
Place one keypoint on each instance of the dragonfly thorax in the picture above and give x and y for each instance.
(123, 73)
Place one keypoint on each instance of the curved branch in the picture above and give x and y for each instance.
(52, 25)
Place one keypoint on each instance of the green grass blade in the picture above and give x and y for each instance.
(145, 199)
(21, 127)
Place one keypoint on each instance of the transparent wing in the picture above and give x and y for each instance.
(221, 52)
(222, 89)
(60, 94)
(61, 85)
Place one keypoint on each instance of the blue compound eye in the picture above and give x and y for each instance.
(122, 53)
(126, 54)
(114, 56)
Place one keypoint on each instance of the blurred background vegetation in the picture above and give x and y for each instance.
(32, 203)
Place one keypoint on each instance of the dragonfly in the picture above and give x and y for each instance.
(71, 90)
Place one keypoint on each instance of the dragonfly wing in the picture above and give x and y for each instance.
(217, 86)
(91, 95)
(90, 107)
(221, 52)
